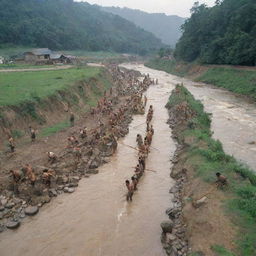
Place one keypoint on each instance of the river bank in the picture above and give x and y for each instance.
(237, 79)
(214, 221)
(79, 152)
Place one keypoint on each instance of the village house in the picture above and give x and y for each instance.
(46, 56)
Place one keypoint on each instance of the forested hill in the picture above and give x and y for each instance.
(64, 24)
(167, 28)
(223, 34)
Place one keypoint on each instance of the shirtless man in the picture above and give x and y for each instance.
(130, 189)
(221, 180)
(47, 175)
(134, 182)
(32, 134)
(11, 144)
(72, 119)
(51, 157)
(139, 140)
(28, 171)
(16, 175)
(142, 163)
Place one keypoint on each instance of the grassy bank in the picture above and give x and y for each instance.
(206, 157)
(237, 80)
(19, 87)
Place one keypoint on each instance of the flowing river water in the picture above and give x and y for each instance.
(96, 219)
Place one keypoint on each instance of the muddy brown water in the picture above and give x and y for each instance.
(96, 219)
(233, 116)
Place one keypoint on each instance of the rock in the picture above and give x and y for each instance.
(4, 201)
(22, 215)
(1, 208)
(92, 171)
(65, 189)
(31, 210)
(172, 212)
(12, 224)
(2, 228)
(72, 185)
(60, 187)
(9, 205)
(71, 190)
(170, 238)
(200, 202)
(52, 192)
(75, 179)
(167, 226)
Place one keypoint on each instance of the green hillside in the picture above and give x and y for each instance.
(68, 25)
(165, 27)
(223, 34)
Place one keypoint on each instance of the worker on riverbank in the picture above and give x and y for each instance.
(32, 134)
(11, 144)
(29, 173)
(221, 180)
(130, 189)
(134, 182)
(72, 119)
(51, 157)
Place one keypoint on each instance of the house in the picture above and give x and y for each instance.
(1, 60)
(36, 55)
(46, 56)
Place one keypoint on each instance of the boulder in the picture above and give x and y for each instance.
(167, 226)
(172, 212)
(71, 190)
(92, 171)
(9, 205)
(31, 210)
(52, 192)
(12, 224)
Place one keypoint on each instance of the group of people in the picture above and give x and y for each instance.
(143, 149)
(110, 112)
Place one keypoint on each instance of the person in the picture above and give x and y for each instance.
(11, 144)
(142, 163)
(16, 175)
(130, 189)
(51, 157)
(134, 182)
(72, 119)
(47, 175)
(32, 134)
(221, 180)
(139, 140)
(29, 172)
(83, 133)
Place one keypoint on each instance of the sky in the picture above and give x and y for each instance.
(170, 7)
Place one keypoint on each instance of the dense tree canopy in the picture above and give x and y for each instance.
(64, 24)
(223, 34)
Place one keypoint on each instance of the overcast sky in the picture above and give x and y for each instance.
(176, 7)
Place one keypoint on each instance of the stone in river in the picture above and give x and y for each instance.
(12, 224)
(167, 226)
(31, 210)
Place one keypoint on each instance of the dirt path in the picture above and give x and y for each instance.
(35, 69)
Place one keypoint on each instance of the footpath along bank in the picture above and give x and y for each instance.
(204, 219)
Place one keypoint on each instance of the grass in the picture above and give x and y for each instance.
(20, 87)
(169, 66)
(233, 79)
(207, 157)
(48, 131)
(238, 81)
(220, 251)
(24, 66)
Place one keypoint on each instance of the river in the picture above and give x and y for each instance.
(96, 219)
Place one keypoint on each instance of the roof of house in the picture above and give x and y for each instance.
(41, 51)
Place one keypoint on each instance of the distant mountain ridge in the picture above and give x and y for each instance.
(69, 25)
(165, 27)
